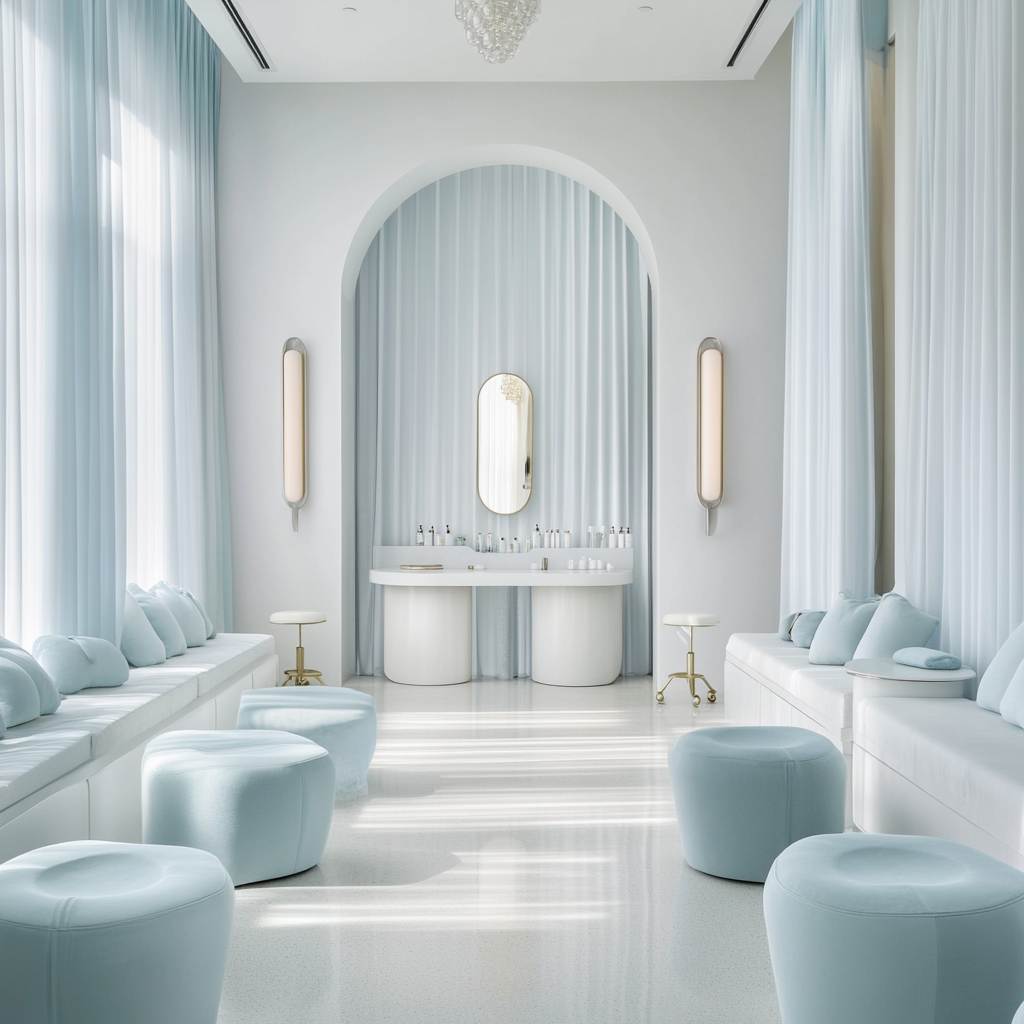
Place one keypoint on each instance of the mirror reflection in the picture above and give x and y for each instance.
(504, 443)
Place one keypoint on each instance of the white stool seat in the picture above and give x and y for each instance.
(113, 933)
(297, 618)
(690, 619)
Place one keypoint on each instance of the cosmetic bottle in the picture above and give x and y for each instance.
(479, 542)
(502, 547)
(419, 536)
(536, 536)
(611, 537)
(490, 544)
(515, 546)
(567, 537)
(558, 538)
(448, 535)
(629, 538)
(590, 536)
(431, 538)
(544, 564)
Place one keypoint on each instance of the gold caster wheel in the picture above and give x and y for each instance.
(712, 697)
(696, 701)
(660, 698)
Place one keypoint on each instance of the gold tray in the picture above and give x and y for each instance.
(423, 568)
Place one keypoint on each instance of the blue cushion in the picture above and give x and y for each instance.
(744, 793)
(193, 626)
(841, 630)
(19, 698)
(49, 696)
(1000, 671)
(895, 624)
(786, 626)
(111, 933)
(894, 929)
(1011, 707)
(806, 625)
(211, 631)
(77, 662)
(139, 641)
(161, 619)
(925, 657)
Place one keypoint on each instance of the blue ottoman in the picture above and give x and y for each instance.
(260, 801)
(744, 793)
(1018, 1017)
(113, 933)
(894, 930)
(342, 721)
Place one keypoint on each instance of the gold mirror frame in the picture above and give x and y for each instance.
(508, 487)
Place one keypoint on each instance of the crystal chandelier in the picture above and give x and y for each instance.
(496, 27)
(511, 388)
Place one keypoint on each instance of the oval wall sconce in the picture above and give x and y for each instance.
(710, 425)
(295, 422)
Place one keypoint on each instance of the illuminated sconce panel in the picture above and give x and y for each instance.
(293, 375)
(710, 424)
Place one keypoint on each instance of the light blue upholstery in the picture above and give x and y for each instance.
(895, 624)
(192, 623)
(806, 625)
(161, 619)
(1018, 1017)
(139, 641)
(744, 793)
(19, 698)
(113, 933)
(786, 626)
(841, 631)
(1011, 707)
(77, 662)
(925, 657)
(341, 720)
(1000, 671)
(49, 695)
(211, 630)
(894, 930)
(260, 801)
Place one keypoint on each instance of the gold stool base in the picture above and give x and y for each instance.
(691, 677)
(300, 675)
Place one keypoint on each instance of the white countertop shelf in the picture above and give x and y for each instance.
(396, 577)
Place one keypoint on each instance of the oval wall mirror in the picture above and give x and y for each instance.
(504, 443)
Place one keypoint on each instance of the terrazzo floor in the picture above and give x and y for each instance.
(515, 861)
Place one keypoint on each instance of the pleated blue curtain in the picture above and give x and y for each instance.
(502, 269)
(960, 384)
(828, 534)
(112, 442)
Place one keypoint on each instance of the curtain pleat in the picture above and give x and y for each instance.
(502, 269)
(113, 442)
(828, 534)
(960, 445)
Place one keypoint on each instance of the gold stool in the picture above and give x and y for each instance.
(689, 621)
(300, 675)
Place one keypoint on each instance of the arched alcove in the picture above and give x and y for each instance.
(386, 204)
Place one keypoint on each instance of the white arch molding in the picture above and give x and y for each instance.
(387, 202)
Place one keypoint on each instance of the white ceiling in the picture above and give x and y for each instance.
(421, 41)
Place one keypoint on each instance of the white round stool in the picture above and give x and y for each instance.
(300, 675)
(689, 621)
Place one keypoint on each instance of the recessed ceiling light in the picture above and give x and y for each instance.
(645, 8)
(351, 10)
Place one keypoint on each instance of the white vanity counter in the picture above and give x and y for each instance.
(428, 613)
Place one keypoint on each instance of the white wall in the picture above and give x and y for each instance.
(700, 173)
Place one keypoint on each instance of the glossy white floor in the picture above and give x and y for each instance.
(516, 861)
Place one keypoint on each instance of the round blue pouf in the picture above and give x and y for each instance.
(744, 793)
(260, 801)
(113, 933)
(894, 930)
(343, 721)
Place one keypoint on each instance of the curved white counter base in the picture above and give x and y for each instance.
(577, 635)
(428, 637)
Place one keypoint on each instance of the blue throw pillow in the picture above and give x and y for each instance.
(19, 698)
(1000, 671)
(161, 619)
(1011, 707)
(925, 657)
(192, 624)
(77, 662)
(139, 641)
(896, 623)
(841, 630)
(49, 696)
(806, 625)
(211, 632)
(786, 626)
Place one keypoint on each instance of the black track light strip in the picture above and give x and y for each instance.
(250, 40)
(746, 35)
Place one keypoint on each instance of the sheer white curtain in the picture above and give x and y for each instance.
(828, 533)
(960, 434)
(502, 269)
(111, 436)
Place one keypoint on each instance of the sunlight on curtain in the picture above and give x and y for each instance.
(960, 435)
(502, 269)
(112, 423)
(828, 535)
